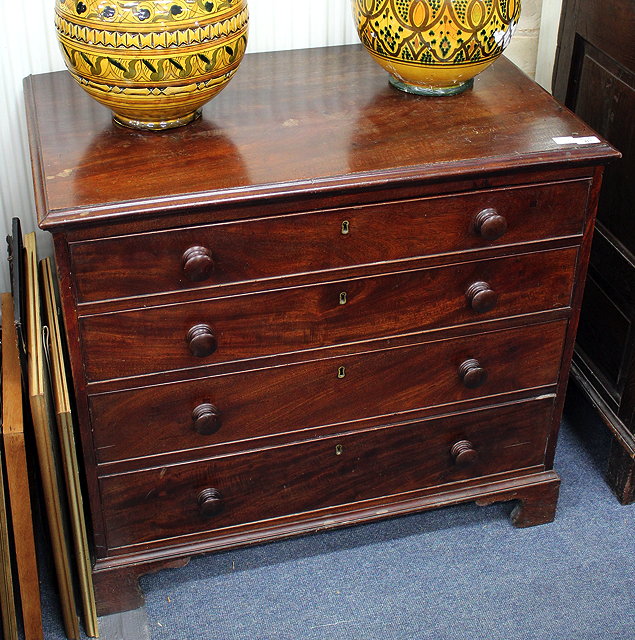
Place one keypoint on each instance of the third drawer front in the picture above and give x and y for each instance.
(222, 253)
(171, 337)
(238, 407)
(228, 491)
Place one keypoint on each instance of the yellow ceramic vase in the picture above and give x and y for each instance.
(435, 47)
(154, 63)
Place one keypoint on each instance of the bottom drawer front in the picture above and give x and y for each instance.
(178, 500)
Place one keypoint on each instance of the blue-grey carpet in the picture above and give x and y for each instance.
(460, 573)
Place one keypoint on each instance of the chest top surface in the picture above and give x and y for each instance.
(289, 122)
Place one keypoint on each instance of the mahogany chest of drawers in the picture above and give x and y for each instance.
(325, 302)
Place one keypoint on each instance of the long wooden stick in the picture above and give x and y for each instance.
(43, 424)
(62, 405)
(17, 477)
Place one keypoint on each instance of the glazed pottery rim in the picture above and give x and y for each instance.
(435, 47)
(156, 125)
(151, 74)
(414, 89)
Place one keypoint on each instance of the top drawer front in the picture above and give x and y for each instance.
(232, 252)
(165, 338)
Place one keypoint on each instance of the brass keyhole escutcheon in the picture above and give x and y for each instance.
(339, 450)
(343, 297)
(346, 227)
(341, 372)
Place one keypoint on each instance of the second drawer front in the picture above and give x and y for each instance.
(338, 470)
(270, 247)
(238, 407)
(138, 342)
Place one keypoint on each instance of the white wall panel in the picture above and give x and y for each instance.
(551, 10)
(28, 45)
(293, 24)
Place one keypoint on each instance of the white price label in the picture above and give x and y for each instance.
(572, 140)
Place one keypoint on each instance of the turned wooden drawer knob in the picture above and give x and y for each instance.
(464, 452)
(206, 419)
(490, 225)
(480, 297)
(210, 502)
(197, 263)
(201, 340)
(472, 374)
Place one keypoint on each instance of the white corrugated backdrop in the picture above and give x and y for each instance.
(28, 46)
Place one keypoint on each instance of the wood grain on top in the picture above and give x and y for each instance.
(294, 121)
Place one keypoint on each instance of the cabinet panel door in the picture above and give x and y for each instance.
(595, 77)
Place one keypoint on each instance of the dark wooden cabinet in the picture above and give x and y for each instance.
(325, 302)
(595, 77)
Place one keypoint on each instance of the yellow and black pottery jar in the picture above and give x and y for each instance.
(154, 63)
(435, 47)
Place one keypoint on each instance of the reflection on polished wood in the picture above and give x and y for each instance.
(308, 120)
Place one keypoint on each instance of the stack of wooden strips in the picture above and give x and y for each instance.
(39, 373)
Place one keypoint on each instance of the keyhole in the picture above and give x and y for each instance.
(339, 450)
(346, 227)
(343, 297)
(341, 372)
